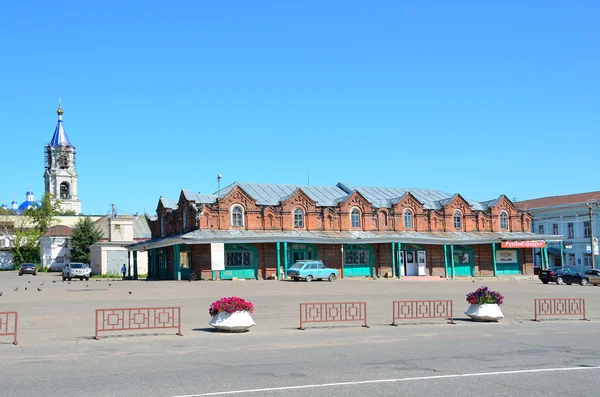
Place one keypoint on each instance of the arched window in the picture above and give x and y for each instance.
(185, 220)
(408, 219)
(298, 218)
(503, 220)
(64, 191)
(355, 218)
(162, 225)
(237, 216)
(384, 217)
(457, 220)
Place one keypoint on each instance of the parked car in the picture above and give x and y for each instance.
(311, 270)
(27, 268)
(594, 276)
(76, 270)
(563, 275)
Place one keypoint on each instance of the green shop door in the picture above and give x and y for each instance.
(241, 261)
(464, 261)
(301, 252)
(508, 262)
(358, 261)
(162, 265)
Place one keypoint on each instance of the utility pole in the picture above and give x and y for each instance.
(591, 211)
(112, 210)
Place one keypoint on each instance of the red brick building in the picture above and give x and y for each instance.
(362, 231)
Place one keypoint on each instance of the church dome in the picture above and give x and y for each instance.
(4, 206)
(28, 203)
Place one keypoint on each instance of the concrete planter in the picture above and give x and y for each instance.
(232, 322)
(485, 312)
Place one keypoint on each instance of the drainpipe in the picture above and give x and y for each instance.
(452, 259)
(393, 259)
(494, 257)
(446, 260)
(279, 261)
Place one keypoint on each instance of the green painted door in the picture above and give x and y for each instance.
(508, 262)
(463, 261)
(241, 261)
(301, 252)
(358, 261)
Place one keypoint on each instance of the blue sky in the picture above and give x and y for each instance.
(462, 96)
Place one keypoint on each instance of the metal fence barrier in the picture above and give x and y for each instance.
(8, 325)
(322, 312)
(559, 307)
(129, 319)
(420, 309)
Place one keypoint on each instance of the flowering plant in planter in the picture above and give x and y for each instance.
(484, 296)
(230, 305)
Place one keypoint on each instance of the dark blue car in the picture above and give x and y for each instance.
(27, 268)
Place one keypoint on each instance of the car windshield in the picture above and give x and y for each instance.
(28, 265)
(78, 266)
(298, 265)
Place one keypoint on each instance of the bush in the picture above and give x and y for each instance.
(230, 305)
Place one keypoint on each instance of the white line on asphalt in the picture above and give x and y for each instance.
(363, 382)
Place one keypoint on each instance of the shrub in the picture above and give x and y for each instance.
(230, 305)
(484, 295)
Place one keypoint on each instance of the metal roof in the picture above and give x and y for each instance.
(273, 194)
(333, 237)
(60, 136)
(168, 203)
(141, 228)
(199, 198)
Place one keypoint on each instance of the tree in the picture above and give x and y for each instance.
(34, 223)
(83, 234)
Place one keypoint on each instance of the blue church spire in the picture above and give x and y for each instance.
(60, 136)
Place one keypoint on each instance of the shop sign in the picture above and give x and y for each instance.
(523, 244)
(506, 256)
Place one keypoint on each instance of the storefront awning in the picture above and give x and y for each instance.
(334, 237)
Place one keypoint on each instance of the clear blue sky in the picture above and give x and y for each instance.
(467, 97)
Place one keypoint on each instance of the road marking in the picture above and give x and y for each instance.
(363, 382)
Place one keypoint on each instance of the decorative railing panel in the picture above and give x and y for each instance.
(8, 325)
(559, 307)
(324, 312)
(130, 319)
(421, 309)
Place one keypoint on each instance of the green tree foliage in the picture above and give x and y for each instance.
(33, 225)
(83, 235)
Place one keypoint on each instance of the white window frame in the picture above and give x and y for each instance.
(298, 218)
(355, 212)
(587, 230)
(540, 228)
(503, 220)
(460, 220)
(234, 212)
(570, 230)
(555, 229)
(408, 214)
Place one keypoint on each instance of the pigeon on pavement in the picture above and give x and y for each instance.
(0, 293)
(129, 292)
(25, 288)
(39, 289)
(16, 289)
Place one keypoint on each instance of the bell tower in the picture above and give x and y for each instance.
(60, 176)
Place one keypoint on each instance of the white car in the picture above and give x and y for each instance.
(76, 270)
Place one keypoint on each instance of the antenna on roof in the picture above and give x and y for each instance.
(219, 187)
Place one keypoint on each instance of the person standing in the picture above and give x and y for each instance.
(124, 271)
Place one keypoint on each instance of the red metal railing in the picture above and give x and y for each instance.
(559, 307)
(420, 309)
(130, 319)
(8, 325)
(322, 312)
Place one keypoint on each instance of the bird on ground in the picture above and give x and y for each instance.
(16, 289)
(53, 281)
(86, 285)
(69, 282)
(129, 292)
(25, 288)
(28, 282)
(0, 293)
(39, 289)
(41, 284)
(109, 284)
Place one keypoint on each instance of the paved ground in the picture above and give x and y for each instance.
(57, 357)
